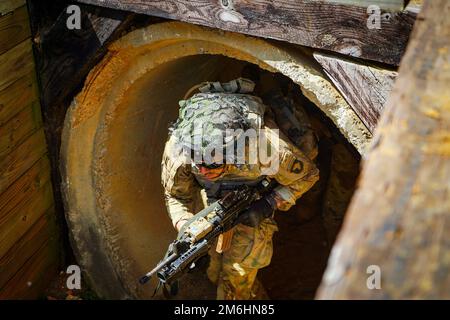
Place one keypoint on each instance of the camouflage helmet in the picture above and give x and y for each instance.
(206, 120)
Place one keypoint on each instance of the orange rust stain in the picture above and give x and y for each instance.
(438, 144)
(98, 84)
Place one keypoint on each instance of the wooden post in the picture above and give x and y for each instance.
(64, 58)
(366, 88)
(399, 219)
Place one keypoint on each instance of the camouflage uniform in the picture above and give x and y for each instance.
(234, 271)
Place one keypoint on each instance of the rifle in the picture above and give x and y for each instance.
(199, 233)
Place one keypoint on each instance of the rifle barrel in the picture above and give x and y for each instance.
(148, 275)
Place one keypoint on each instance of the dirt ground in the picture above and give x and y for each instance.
(299, 259)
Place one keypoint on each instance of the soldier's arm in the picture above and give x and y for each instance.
(179, 187)
(292, 118)
(296, 173)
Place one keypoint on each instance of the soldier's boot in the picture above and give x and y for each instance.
(226, 291)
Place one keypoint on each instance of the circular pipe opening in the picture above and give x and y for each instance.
(115, 133)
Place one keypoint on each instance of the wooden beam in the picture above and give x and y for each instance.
(14, 28)
(399, 219)
(366, 88)
(318, 24)
(7, 6)
(15, 64)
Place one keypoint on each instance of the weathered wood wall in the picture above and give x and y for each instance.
(63, 59)
(29, 253)
(330, 25)
(399, 218)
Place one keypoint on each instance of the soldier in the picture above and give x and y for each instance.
(212, 172)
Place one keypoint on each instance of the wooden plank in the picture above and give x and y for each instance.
(24, 187)
(7, 6)
(15, 131)
(15, 223)
(399, 219)
(365, 88)
(33, 277)
(14, 28)
(21, 159)
(15, 64)
(41, 269)
(393, 5)
(329, 26)
(19, 95)
(39, 235)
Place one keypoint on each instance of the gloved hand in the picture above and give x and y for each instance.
(258, 211)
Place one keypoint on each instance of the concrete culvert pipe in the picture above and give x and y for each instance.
(116, 128)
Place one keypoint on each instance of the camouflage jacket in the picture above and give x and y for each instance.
(296, 174)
